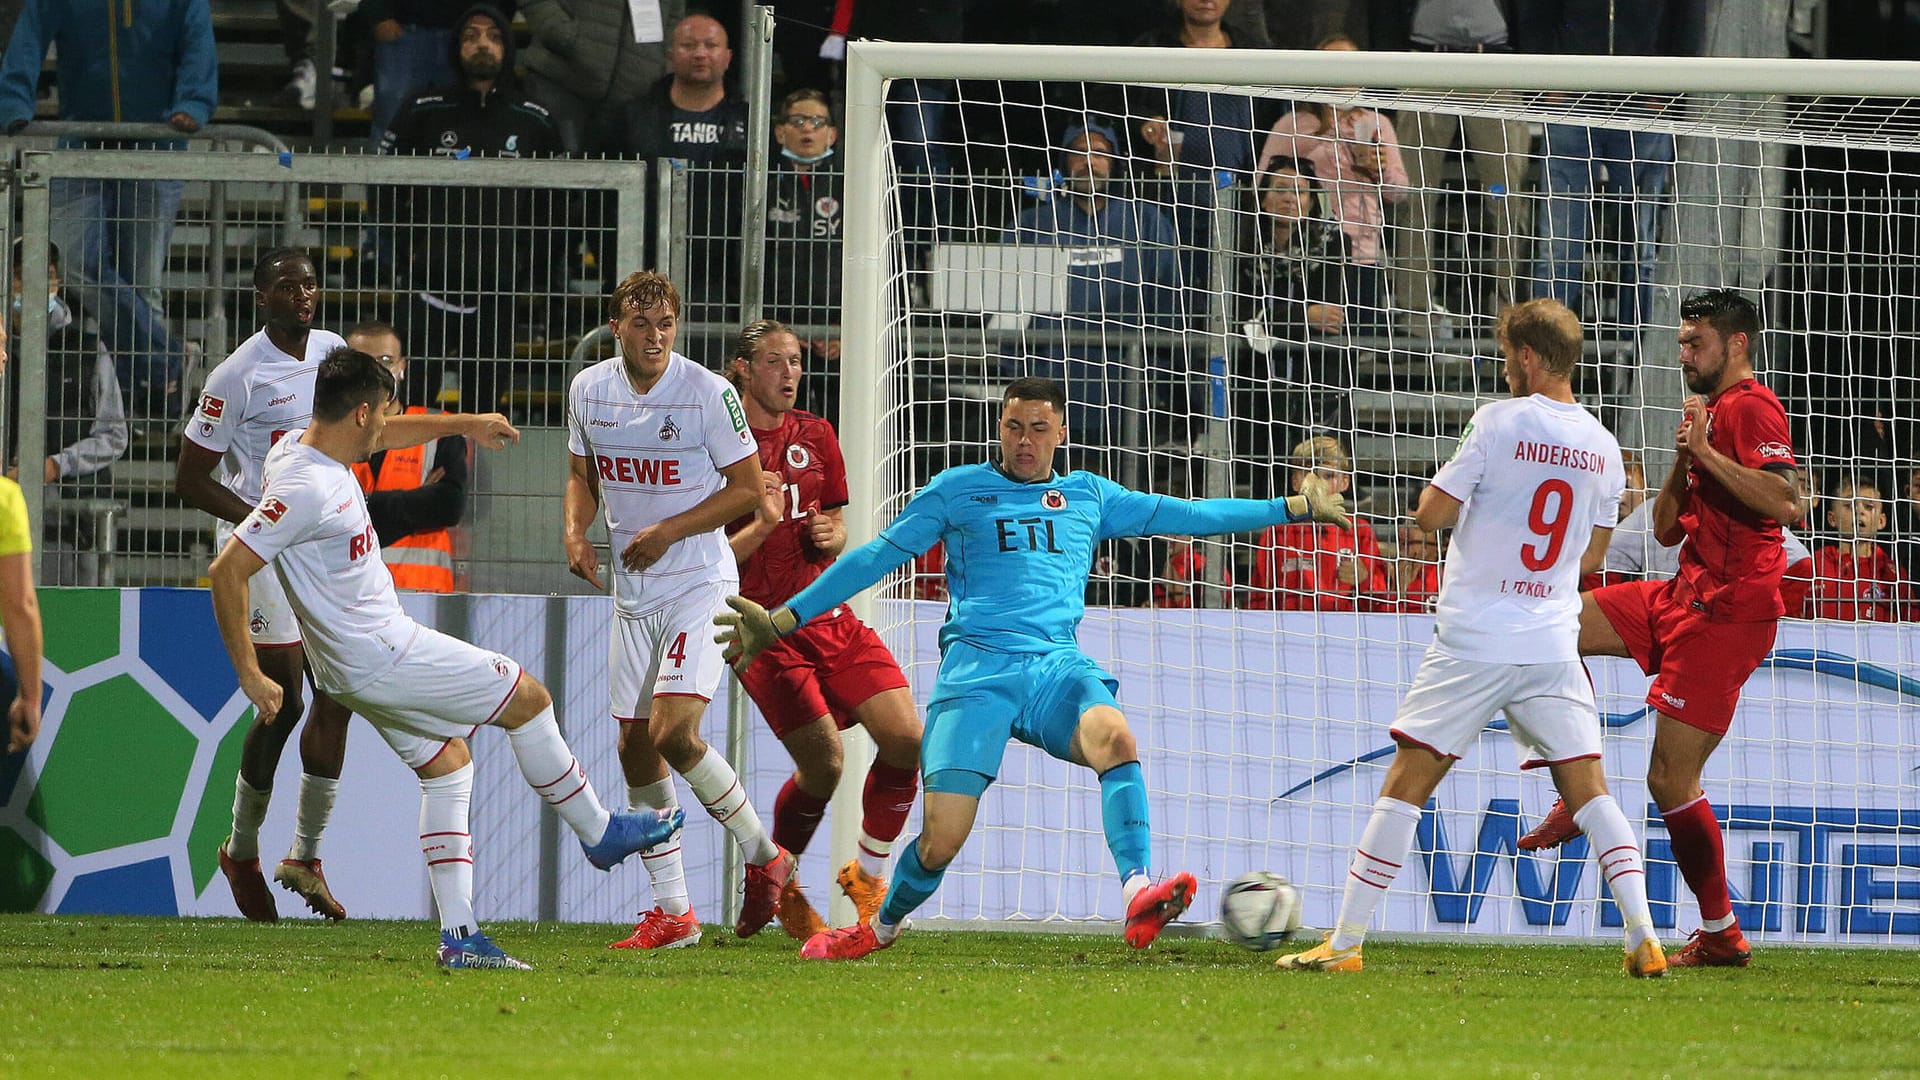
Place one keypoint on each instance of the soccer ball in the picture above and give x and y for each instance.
(1260, 910)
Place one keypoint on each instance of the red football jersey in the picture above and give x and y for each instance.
(805, 453)
(1732, 561)
(1297, 567)
(1864, 588)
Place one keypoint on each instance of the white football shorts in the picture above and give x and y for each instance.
(442, 688)
(271, 622)
(668, 652)
(1550, 708)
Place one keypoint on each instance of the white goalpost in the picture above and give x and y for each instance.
(1325, 273)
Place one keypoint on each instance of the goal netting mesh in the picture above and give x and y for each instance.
(1240, 283)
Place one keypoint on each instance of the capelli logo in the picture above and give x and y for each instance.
(1676, 702)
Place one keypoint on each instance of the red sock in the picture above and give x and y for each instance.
(796, 815)
(1695, 833)
(887, 799)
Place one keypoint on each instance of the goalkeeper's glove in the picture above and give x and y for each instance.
(749, 629)
(1315, 502)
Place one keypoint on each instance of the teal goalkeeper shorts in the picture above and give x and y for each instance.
(983, 698)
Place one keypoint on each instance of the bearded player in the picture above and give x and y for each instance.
(835, 672)
(1702, 633)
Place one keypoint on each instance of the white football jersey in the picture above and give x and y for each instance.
(1535, 477)
(656, 455)
(312, 526)
(252, 400)
(1633, 550)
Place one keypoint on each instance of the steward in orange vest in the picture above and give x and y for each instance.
(417, 494)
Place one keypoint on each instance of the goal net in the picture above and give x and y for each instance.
(1248, 267)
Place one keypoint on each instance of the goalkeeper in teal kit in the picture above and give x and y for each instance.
(1019, 540)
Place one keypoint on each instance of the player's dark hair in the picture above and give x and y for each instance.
(269, 265)
(1037, 390)
(747, 342)
(1546, 326)
(641, 290)
(347, 379)
(1727, 312)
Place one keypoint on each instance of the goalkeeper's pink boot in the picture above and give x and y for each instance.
(1157, 905)
(1555, 829)
(846, 943)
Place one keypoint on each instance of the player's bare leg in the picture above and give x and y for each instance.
(1583, 786)
(323, 753)
(944, 827)
(1680, 754)
(1103, 742)
(239, 854)
(892, 781)
(674, 728)
(1597, 638)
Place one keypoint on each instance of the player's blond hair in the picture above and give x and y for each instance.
(748, 341)
(1549, 328)
(641, 290)
(1322, 450)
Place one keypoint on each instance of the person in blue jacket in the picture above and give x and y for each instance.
(1019, 541)
(119, 61)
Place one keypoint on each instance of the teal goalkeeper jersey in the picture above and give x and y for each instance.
(1018, 554)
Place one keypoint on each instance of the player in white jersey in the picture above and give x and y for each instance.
(664, 442)
(1532, 494)
(260, 392)
(423, 691)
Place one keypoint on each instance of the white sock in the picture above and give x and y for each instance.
(1618, 854)
(1131, 888)
(719, 789)
(555, 774)
(872, 854)
(1382, 849)
(1714, 926)
(665, 869)
(447, 843)
(884, 931)
(311, 815)
(249, 810)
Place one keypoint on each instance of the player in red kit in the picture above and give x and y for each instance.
(1702, 633)
(835, 672)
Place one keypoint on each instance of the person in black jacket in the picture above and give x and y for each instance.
(463, 253)
(803, 238)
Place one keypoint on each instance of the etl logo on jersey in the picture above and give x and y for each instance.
(1053, 500)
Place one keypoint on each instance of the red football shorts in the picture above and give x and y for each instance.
(1698, 667)
(826, 668)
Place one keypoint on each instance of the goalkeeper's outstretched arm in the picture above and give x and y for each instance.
(1134, 513)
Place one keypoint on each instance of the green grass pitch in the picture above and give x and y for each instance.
(201, 998)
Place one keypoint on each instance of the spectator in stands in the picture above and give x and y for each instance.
(1635, 491)
(1310, 566)
(802, 272)
(415, 495)
(589, 59)
(297, 36)
(1633, 167)
(86, 422)
(690, 114)
(153, 64)
(1355, 156)
(1124, 277)
(19, 609)
(1907, 542)
(1634, 555)
(1498, 155)
(1856, 579)
(1413, 577)
(1807, 482)
(413, 51)
(693, 114)
(1296, 279)
(464, 253)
